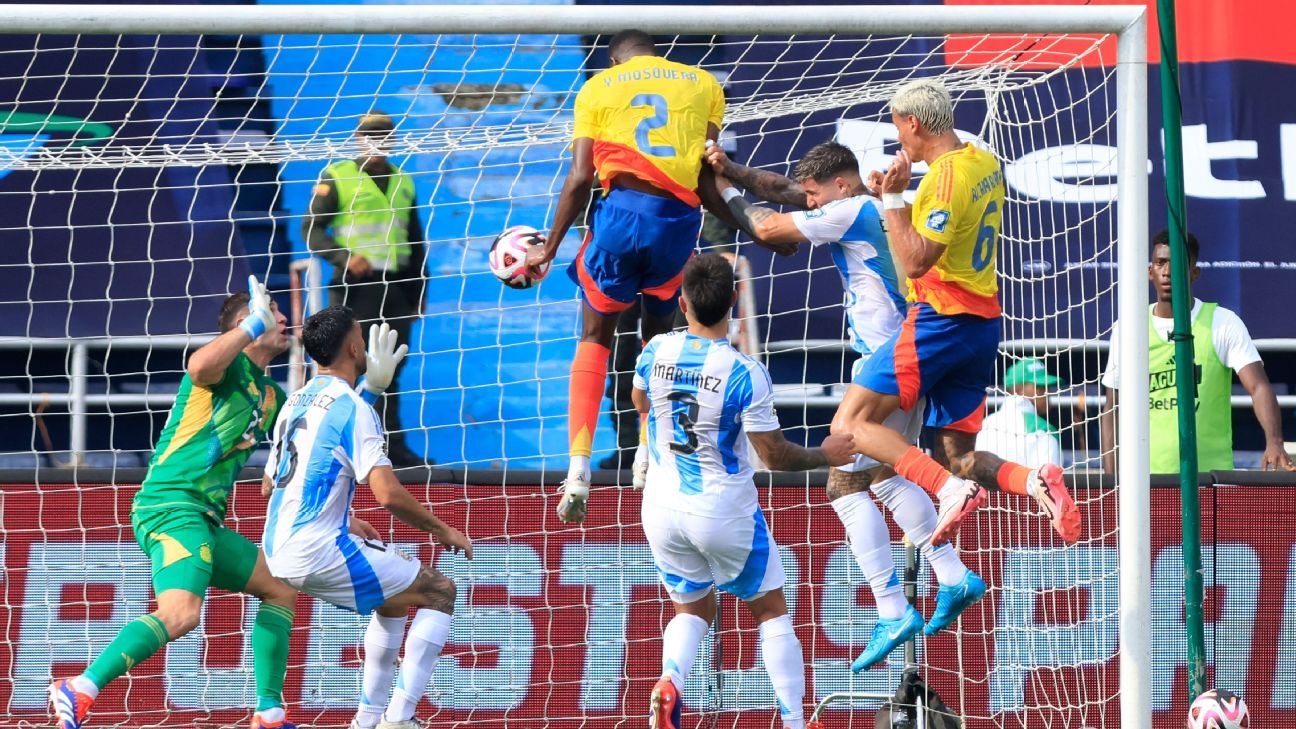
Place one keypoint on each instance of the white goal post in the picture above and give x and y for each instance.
(1126, 23)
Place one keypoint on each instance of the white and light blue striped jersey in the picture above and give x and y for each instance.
(704, 397)
(326, 439)
(853, 229)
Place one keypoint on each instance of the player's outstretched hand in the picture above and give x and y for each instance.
(839, 449)
(382, 357)
(898, 174)
(364, 529)
(715, 157)
(260, 318)
(455, 541)
(1275, 458)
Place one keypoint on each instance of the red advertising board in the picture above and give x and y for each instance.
(560, 626)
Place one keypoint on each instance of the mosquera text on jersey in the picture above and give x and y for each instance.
(959, 204)
(704, 397)
(648, 118)
(854, 232)
(327, 439)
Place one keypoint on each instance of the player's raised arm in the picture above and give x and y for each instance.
(768, 186)
(915, 251)
(242, 322)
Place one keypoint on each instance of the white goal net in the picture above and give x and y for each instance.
(143, 175)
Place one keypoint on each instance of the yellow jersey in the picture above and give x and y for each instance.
(959, 205)
(648, 118)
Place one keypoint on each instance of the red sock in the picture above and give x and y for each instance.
(585, 394)
(922, 470)
(1012, 478)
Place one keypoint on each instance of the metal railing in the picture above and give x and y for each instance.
(78, 399)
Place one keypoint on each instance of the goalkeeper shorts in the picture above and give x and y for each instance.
(188, 552)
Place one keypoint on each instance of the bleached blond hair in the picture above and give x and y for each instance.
(929, 101)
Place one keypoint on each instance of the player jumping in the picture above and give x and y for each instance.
(843, 215)
(947, 346)
(700, 509)
(641, 125)
(328, 440)
(225, 405)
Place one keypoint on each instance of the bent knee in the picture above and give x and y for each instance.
(180, 621)
(440, 592)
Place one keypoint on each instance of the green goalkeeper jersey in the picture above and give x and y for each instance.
(208, 437)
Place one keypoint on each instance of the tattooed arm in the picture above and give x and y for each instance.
(773, 230)
(768, 186)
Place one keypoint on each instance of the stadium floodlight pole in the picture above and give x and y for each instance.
(1134, 504)
(1181, 335)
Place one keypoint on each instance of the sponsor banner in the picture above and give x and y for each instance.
(563, 624)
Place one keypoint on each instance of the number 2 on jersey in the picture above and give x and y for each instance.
(685, 420)
(656, 121)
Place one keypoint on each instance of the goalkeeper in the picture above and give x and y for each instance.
(223, 409)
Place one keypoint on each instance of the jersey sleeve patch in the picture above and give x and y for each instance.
(937, 220)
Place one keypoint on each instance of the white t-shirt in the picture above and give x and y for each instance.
(853, 230)
(1229, 335)
(1016, 432)
(326, 440)
(704, 397)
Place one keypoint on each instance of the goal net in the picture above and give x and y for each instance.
(144, 174)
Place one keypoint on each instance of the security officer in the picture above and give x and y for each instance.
(363, 221)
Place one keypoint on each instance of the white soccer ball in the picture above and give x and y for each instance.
(508, 256)
(1218, 709)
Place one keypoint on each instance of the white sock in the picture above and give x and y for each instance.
(382, 642)
(870, 542)
(785, 664)
(912, 509)
(427, 636)
(680, 642)
(579, 468)
(952, 484)
(85, 686)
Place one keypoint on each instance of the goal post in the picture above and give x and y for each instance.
(1064, 94)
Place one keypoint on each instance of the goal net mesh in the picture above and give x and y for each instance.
(143, 177)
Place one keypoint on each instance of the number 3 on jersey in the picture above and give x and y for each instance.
(659, 118)
(684, 408)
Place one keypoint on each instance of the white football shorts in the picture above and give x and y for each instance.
(693, 553)
(370, 573)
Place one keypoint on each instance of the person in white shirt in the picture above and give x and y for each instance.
(1019, 430)
(837, 212)
(327, 440)
(703, 400)
(1221, 346)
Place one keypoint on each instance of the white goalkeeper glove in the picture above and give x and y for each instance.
(382, 357)
(260, 318)
(639, 471)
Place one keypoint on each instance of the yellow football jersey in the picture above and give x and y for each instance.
(648, 117)
(959, 204)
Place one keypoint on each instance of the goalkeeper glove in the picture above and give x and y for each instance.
(382, 357)
(260, 318)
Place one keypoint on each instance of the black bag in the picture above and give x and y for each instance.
(902, 711)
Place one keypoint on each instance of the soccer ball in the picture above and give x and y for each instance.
(508, 257)
(1218, 709)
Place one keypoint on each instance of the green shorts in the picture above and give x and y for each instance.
(190, 553)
